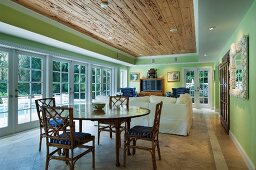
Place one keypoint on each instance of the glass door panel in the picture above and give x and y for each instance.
(30, 86)
(80, 84)
(60, 84)
(198, 82)
(4, 99)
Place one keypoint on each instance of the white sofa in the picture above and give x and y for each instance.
(176, 117)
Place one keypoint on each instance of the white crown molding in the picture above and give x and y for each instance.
(153, 64)
(246, 158)
(43, 18)
(167, 56)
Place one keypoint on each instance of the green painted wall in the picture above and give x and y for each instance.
(33, 44)
(216, 88)
(14, 17)
(162, 73)
(243, 112)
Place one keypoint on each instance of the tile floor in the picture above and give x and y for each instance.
(20, 151)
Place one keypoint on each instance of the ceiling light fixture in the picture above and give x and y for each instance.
(173, 29)
(110, 38)
(104, 4)
(211, 28)
(205, 55)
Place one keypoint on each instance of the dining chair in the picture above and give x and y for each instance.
(61, 135)
(39, 104)
(146, 134)
(115, 102)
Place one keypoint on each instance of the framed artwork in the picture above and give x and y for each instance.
(134, 76)
(173, 76)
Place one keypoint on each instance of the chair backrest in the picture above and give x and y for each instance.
(43, 102)
(118, 101)
(155, 129)
(59, 125)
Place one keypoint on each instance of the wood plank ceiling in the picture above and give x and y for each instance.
(138, 27)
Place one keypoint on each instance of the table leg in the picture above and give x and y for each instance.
(128, 128)
(118, 141)
(80, 125)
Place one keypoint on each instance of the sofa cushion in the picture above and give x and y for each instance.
(165, 100)
(184, 99)
(139, 99)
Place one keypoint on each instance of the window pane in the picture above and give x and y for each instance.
(76, 95)
(76, 87)
(76, 78)
(56, 77)
(82, 95)
(65, 88)
(82, 87)
(56, 88)
(36, 63)
(64, 77)
(24, 61)
(36, 88)
(3, 59)
(82, 69)
(3, 89)
(24, 75)
(82, 78)
(64, 67)
(3, 73)
(56, 66)
(36, 76)
(76, 68)
(23, 89)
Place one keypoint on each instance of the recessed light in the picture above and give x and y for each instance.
(104, 4)
(205, 55)
(173, 29)
(211, 28)
(110, 38)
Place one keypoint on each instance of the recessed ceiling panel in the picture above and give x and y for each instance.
(138, 27)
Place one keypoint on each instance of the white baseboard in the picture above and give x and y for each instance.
(246, 158)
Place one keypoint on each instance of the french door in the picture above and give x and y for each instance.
(21, 82)
(199, 81)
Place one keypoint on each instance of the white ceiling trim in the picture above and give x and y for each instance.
(167, 56)
(22, 33)
(184, 63)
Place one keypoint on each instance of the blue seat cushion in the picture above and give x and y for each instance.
(56, 122)
(79, 138)
(141, 131)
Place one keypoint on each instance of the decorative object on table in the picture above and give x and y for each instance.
(134, 76)
(64, 137)
(238, 68)
(173, 76)
(39, 104)
(152, 73)
(105, 125)
(168, 94)
(98, 106)
(145, 133)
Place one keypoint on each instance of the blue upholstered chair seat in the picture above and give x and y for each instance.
(56, 122)
(79, 138)
(141, 131)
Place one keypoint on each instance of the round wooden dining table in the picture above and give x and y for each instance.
(114, 116)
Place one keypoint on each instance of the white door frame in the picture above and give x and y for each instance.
(210, 81)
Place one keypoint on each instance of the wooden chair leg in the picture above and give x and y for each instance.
(125, 147)
(98, 133)
(93, 154)
(134, 144)
(40, 142)
(110, 131)
(47, 162)
(158, 149)
(153, 155)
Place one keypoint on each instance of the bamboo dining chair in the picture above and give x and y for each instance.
(61, 135)
(39, 104)
(105, 125)
(146, 134)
